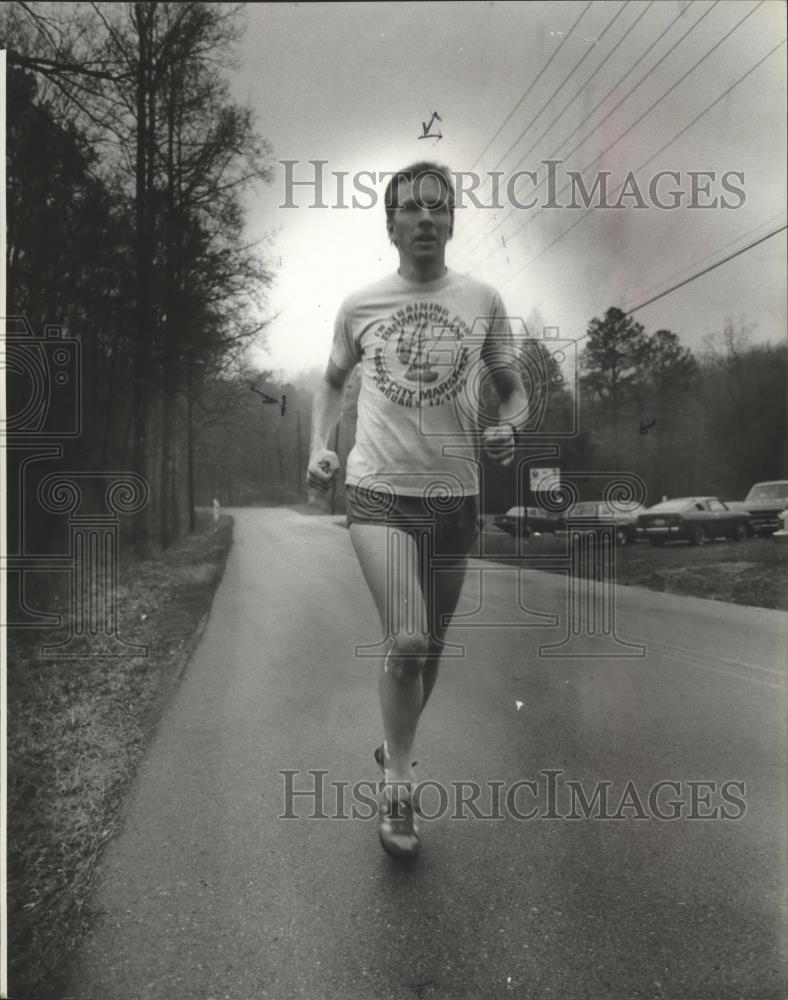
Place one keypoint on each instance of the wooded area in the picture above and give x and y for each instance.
(640, 403)
(127, 162)
(711, 424)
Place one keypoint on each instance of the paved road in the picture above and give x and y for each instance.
(208, 894)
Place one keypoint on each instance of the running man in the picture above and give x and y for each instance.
(426, 340)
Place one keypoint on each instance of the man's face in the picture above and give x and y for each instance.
(422, 222)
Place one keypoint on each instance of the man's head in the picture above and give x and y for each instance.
(420, 211)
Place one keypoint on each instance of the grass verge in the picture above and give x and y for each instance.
(753, 572)
(77, 730)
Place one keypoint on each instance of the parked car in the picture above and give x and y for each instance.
(764, 503)
(528, 520)
(693, 519)
(601, 515)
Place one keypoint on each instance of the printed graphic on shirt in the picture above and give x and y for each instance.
(420, 358)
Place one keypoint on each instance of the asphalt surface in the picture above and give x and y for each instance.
(208, 893)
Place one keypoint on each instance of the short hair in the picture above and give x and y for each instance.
(421, 169)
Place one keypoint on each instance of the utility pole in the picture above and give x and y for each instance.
(190, 450)
(282, 404)
(299, 476)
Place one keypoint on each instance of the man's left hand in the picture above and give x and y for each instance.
(499, 443)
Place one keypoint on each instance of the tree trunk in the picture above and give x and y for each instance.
(190, 451)
(143, 259)
(169, 332)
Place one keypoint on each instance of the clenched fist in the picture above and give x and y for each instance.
(499, 443)
(323, 468)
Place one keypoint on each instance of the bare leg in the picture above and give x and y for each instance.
(389, 561)
(442, 593)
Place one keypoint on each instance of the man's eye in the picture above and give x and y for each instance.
(416, 207)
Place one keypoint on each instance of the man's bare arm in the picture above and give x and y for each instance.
(513, 407)
(513, 403)
(326, 411)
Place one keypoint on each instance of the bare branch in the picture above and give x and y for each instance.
(52, 66)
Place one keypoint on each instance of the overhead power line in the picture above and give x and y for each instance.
(699, 274)
(580, 90)
(707, 256)
(599, 104)
(669, 143)
(706, 270)
(655, 104)
(561, 85)
(533, 83)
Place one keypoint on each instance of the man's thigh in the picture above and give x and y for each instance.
(441, 585)
(445, 559)
(389, 559)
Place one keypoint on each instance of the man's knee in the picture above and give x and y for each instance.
(406, 658)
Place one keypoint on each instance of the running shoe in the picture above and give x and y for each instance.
(397, 824)
(380, 759)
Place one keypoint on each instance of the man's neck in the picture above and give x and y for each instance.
(431, 271)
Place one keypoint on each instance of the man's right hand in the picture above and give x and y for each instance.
(323, 469)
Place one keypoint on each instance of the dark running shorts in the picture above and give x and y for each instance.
(451, 522)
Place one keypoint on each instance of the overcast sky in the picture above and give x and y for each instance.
(351, 84)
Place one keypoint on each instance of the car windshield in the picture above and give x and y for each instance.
(768, 491)
(686, 503)
(588, 509)
(515, 512)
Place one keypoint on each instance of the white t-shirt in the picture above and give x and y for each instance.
(420, 346)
